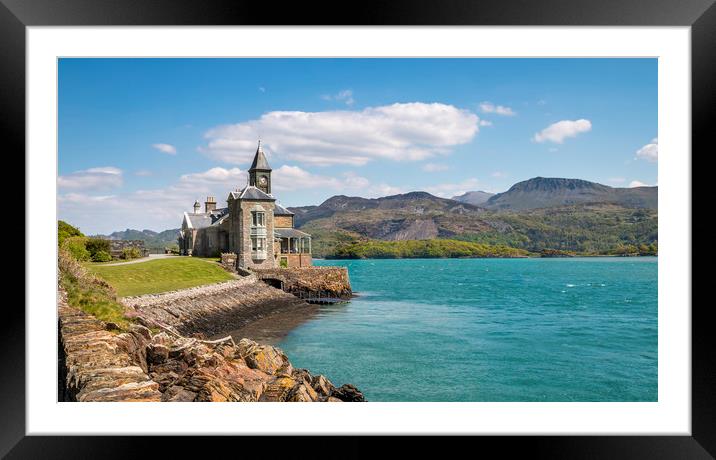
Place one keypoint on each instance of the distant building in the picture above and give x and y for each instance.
(253, 226)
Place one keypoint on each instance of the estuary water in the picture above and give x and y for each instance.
(573, 329)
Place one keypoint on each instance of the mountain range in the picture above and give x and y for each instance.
(536, 214)
(152, 239)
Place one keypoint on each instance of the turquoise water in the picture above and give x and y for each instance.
(580, 329)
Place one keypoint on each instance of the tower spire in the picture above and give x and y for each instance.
(260, 171)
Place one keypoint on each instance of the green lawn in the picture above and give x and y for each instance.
(160, 275)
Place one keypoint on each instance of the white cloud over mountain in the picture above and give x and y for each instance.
(558, 132)
(162, 208)
(449, 190)
(400, 132)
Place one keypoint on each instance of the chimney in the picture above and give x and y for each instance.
(209, 204)
(196, 207)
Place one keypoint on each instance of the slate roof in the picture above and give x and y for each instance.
(290, 233)
(252, 193)
(281, 211)
(260, 160)
(206, 219)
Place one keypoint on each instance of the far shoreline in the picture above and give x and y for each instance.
(592, 256)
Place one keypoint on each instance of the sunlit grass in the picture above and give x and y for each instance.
(161, 275)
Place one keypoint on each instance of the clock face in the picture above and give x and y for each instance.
(262, 180)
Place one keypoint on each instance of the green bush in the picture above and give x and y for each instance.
(65, 230)
(75, 246)
(101, 256)
(130, 253)
(95, 245)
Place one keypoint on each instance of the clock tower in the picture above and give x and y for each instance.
(260, 172)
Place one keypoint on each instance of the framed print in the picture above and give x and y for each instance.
(465, 219)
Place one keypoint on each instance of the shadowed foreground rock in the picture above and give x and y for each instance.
(104, 365)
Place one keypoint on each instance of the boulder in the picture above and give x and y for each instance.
(265, 358)
(348, 393)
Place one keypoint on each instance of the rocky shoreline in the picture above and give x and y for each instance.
(165, 354)
(99, 363)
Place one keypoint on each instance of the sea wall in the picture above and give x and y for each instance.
(309, 281)
(99, 363)
(212, 309)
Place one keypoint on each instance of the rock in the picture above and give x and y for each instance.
(322, 386)
(178, 394)
(278, 389)
(157, 353)
(265, 358)
(348, 393)
(302, 393)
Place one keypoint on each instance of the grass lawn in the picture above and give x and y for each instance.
(160, 275)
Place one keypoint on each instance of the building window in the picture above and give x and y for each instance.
(258, 219)
(258, 244)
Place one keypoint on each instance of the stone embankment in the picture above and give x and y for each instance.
(309, 281)
(211, 309)
(99, 363)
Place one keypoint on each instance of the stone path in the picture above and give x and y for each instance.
(143, 259)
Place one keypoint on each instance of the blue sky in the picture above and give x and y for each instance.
(141, 139)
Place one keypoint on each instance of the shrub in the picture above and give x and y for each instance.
(75, 246)
(89, 293)
(101, 256)
(65, 230)
(131, 253)
(95, 245)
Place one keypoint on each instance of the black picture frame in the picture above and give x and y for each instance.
(700, 15)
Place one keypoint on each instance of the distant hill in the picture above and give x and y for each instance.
(152, 239)
(537, 214)
(477, 197)
(408, 216)
(543, 192)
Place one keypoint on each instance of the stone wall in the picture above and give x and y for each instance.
(310, 281)
(116, 247)
(215, 308)
(245, 258)
(283, 221)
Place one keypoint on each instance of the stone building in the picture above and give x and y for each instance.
(252, 225)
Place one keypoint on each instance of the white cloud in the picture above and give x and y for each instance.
(636, 183)
(401, 132)
(498, 174)
(345, 96)
(485, 123)
(434, 167)
(451, 189)
(558, 132)
(162, 208)
(166, 148)
(102, 178)
(650, 152)
(489, 107)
